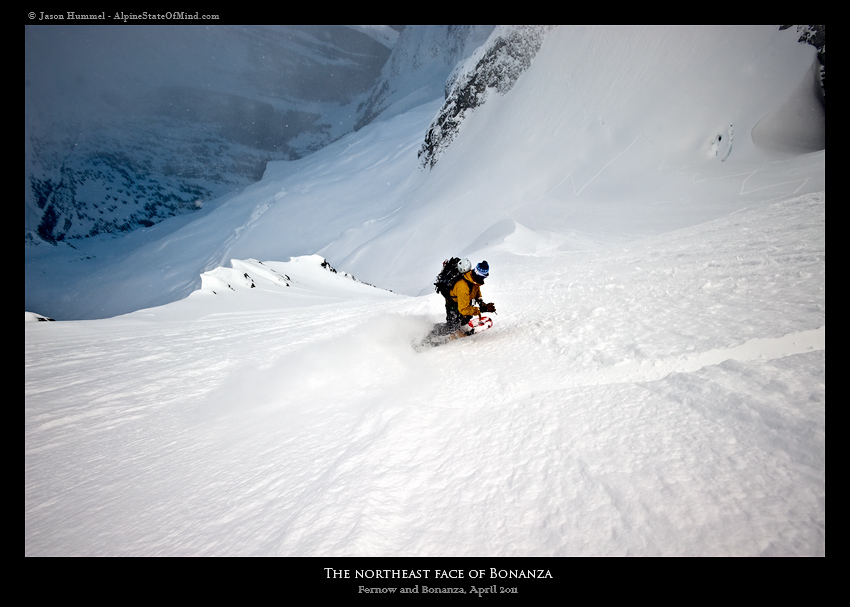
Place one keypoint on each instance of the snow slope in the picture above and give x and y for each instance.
(654, 383)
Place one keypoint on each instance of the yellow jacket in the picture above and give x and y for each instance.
(464, 293)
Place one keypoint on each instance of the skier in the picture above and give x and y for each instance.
(462, 298)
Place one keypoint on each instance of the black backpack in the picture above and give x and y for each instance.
(448, 276)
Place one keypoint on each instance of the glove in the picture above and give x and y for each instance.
(488, 307)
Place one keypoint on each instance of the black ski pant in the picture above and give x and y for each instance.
(454, 319)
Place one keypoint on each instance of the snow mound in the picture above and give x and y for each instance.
(301, 282)
(33, 317)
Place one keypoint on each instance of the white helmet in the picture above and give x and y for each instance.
(464, 266)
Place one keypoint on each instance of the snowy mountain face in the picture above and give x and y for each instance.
(174, 121)
(125, 127)
(609, 126)
(494, 69)
(498, 64)
(651, 203)
(814, 35)
(417, 69)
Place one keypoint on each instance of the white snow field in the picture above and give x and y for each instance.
(654, 383)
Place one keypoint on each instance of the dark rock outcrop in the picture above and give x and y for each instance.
(494, 68)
